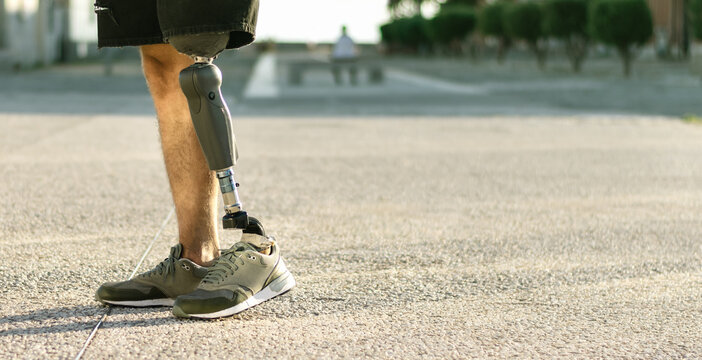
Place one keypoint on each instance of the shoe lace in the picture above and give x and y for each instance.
(165, 267)
(224, 266)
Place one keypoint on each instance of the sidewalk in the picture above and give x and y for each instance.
(426, 237)
(413, 86)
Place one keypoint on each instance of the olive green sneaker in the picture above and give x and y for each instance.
(242, 277)
(157, 287)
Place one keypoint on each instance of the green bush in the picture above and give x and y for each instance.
(406, 33)
(564, 18)
(469, 3)
(490, 23)
(524, 21)
(388, 33)
(414, 32)
(490, 19)
(452, 24)
(567, 20)
(694, 8)
(624, 24)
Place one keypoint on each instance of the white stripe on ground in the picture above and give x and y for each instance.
(153, 241)
(136, 268)
(263, 82)
(430, 82)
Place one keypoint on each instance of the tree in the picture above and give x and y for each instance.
(490, 24)
(694, 10)
(407, 34)
(567, 20)
(389, 36)
(624, 24)
(406, 8)
(451, 25)
(469, 3)
(523, 21)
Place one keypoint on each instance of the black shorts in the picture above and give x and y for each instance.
(143, 22)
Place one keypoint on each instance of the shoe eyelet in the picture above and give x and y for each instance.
(252, 258)
(186, 267)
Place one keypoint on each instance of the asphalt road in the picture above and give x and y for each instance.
(410, 237)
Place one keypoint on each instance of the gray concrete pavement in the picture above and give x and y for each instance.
(419, 237)
(560, 231)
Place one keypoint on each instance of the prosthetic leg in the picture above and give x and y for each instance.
(201, 83)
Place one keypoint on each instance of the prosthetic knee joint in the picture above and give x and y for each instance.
(210, 115)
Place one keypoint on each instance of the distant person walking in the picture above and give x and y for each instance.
(344, 55)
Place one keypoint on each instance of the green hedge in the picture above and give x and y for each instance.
(490, 19)
(468, 3)
(408, 33)
(623, 24)
(490, 23)
(564, 18)
(567, 20)
(694, 9)
(523, 21)
(388, 33)
(452, 24)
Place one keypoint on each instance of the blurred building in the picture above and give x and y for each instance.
(669, 26)
(40, 32)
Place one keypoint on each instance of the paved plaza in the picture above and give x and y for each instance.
(557, 232)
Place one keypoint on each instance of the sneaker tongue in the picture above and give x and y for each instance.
(177, 251)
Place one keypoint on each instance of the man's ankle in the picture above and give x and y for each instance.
(202, 257)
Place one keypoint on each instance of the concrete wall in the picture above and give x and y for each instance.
(81, 37)
(32, 32)
(41, 32)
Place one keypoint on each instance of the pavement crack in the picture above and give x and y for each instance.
(136, 268)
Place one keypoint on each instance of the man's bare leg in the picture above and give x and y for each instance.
(193, 290)
(193, 185)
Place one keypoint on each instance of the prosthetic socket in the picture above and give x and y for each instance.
(201, 83)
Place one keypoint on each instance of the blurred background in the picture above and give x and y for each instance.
(411, 57)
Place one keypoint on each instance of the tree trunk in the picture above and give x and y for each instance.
(541, 59)
(625, 53)
(540, 54)
(576, 48)
(577, 64)
(502, 48)
(473, 51)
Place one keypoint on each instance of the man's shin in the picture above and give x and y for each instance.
(201, 84)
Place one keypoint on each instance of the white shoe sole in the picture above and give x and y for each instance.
(279, 286)
(142, 303)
